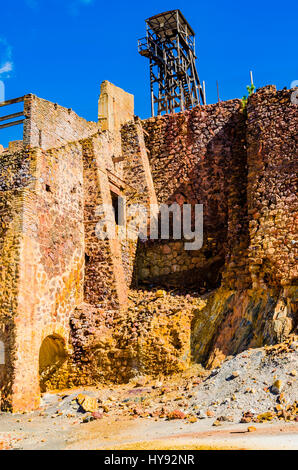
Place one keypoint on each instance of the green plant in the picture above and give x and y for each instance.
(250, 88)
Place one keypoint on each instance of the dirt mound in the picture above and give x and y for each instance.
(254, 382)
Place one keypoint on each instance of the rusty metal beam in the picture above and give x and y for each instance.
(11, 116)
(10, 124)
(13, 101)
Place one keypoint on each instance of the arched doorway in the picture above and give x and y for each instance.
(52, 356)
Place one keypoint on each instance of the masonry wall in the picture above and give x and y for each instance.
(139, 193)
(100, 351)
(50, 125)
(266, 313)
(15, 174)
(59, 280)
(49, 261)
(115, 107)
(199, 157)
(61, 283)
(240, 164)
(272, 188)
(102, 286)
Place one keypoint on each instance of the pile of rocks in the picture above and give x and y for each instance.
(255, 382)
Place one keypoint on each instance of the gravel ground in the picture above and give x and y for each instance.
(244, 383)
(254, 382)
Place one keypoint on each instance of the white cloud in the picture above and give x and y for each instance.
(7, 67)
(6, 63)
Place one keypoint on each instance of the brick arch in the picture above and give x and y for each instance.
(56, 329)
(54, 351)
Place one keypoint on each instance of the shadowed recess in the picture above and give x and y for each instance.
(52, 356)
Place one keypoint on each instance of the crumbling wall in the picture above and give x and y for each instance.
(104, 283)
(49, 259)
(239, 163)
(139, 193)
(59, 280)
(151, 336)
(98, 324)
(199, 157)
(235, 320)
(272, 188)
(15, 175)
(167, 263)
(115, 107)
(49, 125)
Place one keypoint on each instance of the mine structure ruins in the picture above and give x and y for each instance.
(77, 309)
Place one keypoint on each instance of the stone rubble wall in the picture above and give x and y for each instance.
(50, 125)
(151, 336)
(59, 279)
(15, 174)
(99, 352)
(139, 191)
(104, 283)
(199, 157)
(51, 262)
(272, 188)
(235, 320)
(167, 263)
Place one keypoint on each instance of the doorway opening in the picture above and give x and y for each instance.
(52, 355)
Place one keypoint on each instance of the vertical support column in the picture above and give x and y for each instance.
(151, 88)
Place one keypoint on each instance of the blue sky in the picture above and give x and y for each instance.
(63, 50)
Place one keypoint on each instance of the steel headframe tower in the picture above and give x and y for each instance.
(170, 46)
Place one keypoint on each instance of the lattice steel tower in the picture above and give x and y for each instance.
(170, 46)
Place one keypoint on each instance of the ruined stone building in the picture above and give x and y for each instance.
(67, 314)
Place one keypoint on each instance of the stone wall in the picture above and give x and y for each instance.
(50, 262)
(239, 163)
(235, 320)
(104, 283)
(50, 125)
(167, 263)
(54, 269)
(272, 188)
(199, 157)
(139, 191)
(61, 283)
(15, 174)
(115, 107)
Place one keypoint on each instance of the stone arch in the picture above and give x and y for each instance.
(53, 354)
